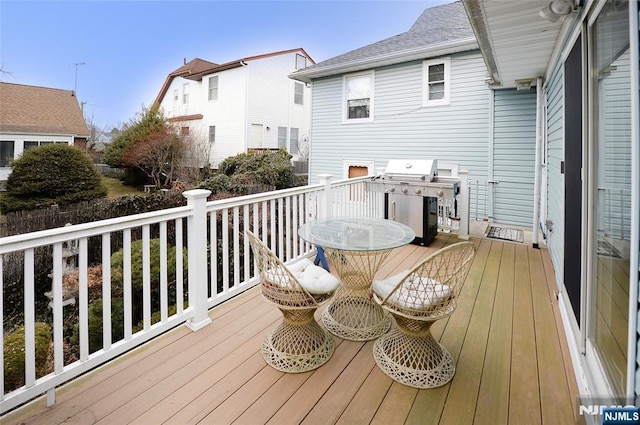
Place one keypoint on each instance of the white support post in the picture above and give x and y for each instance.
(197, 258)
(325, 207)
(463, 232)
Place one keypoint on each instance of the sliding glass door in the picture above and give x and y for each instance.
(610, 134)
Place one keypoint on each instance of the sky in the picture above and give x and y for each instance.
(117, 54)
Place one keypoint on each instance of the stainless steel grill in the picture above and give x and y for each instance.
(412, 189)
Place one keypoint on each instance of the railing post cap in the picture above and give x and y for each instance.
(196, 193)
(463, 171)
(325, 176)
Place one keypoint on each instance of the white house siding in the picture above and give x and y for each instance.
(555, 179)
(227, 114)
(513, 156)
(402, 127)
(271, 98)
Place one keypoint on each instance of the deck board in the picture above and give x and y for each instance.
(511, 358)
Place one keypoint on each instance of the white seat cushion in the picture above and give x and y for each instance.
(314, 279)
(416, 293)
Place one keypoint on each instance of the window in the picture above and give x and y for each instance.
(175, 95)
(30, 144)
(436, 82)
(184, 131)
(298, 95)
(212, 134)
(293, 141)
(185, 93)
(213, 88)
(301, 61)
(282, 137)
(6, 153)
(359, 97)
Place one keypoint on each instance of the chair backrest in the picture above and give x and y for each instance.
(279, 285)
(431, 288)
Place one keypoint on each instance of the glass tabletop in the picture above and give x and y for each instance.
(356, 233)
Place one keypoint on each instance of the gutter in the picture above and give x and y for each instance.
(308, 74)
(480, 29)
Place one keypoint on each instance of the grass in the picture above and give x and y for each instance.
(116, 188)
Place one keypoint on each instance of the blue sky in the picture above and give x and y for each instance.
(129, 47)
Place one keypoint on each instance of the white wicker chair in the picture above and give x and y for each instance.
(298, 344)
(417, 298)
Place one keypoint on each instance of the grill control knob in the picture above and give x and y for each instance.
(405, 190)
(418, 191)
(392, 189)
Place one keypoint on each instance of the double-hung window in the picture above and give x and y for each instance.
(282, 137)
(293, 141)
(6, 152)
(185, 93)
(437, 82)
(213, 88)
(298, 93)
(212, 134)
(358, 93)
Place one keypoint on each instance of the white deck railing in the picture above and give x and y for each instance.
(149, 293)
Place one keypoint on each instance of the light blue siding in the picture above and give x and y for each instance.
(555, 179)
(402, 127)
(514, 156)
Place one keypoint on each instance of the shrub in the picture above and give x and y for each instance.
(271, 168)
(221, 183)
(14, 369)
(51, 174)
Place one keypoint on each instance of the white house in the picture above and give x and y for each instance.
(33, 116)
(239, 105)
(540, 99)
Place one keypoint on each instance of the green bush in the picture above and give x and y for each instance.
(96, 324)
(51, 174)
(14, 369)
(221, 183)
(117, 264)
(271, 168)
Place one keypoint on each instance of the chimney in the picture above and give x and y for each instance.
(185, 61)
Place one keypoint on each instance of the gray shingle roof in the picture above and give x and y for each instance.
(436, 26)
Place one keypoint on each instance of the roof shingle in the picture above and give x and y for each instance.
(40, 110)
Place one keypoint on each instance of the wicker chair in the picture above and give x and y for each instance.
(417, 298)
(298, 344)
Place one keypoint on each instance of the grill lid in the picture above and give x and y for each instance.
(411, 169)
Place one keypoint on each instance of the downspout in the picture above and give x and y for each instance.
(537, 163)
(634, 260)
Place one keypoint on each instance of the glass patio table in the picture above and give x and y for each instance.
(356, 247)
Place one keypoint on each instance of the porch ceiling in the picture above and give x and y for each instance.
(515, 41)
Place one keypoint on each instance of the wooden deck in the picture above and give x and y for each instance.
(513, 365)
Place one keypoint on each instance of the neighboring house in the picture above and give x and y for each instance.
(562, 156)
(239, 105)
(423, 94)
(33, 116)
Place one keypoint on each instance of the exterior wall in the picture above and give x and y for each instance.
(227, 114)
(259, 93)
(402, 127)
(18, 146)
(271, 99)
(514, 142)
(555, 179)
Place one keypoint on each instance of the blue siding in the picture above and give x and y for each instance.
(514, 156)
(402, 127)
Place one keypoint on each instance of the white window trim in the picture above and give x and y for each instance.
(298, 84)
(447, 82)
(348, 163)
(345, 109)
